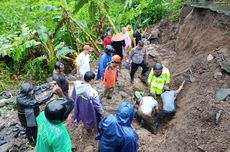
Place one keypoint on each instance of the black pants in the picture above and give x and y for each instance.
(135, 66)
(31, 133)
(98, 118)
(162, 116)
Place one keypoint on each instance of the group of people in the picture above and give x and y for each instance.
(47, 130)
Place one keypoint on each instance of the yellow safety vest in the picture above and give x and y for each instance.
(157, 83)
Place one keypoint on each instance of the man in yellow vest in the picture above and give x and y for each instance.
(158, 77)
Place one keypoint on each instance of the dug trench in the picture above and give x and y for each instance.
(192, 49)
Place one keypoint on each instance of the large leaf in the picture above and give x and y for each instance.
(6, 50)
(64, 51)
(128, 4)
(48, 8)
(92, 10)
(59, 46)
(31, 43)
(42, 32)
(79, 4)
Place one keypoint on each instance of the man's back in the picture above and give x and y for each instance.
(83, 63)
(147, 104)
(87, 102)
(117, 133)
(168, 99)
(117, 137)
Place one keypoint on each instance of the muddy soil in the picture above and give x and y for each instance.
(184, 48)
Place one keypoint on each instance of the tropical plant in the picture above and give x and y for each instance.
(96, 9)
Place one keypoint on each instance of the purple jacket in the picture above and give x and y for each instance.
(86, 103)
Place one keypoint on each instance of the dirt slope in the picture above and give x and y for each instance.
(184, 49)
(203, 32)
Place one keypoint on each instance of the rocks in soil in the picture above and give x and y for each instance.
(218, 116)
(7, 94)
(2, 103)
(217, 75)
(6, 147)
(192, 78)
(224, 52)
(139, 85)
(152, 50)
(210, 57)
(154, 33)
(2, 126)
(123, 94)
(222, 94)
(225, 66)
(202, 148)
(89, 149)
(2, 142)
(15, 129)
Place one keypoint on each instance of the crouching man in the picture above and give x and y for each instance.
(148, 106)
(169, 106)
(147, 109)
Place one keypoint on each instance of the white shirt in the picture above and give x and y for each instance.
(83, 63)
(147, 104)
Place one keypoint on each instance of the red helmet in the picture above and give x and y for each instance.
(116, 58)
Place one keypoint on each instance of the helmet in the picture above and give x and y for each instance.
(109, 49)
(58, 110)
(157, 66)
(141, 43)
(26, 88)
(116, 58)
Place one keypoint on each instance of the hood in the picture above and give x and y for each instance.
(26, 88)
(81, 87)
(125, 113)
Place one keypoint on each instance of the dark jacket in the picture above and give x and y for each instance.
(28, 105)
(60, 78)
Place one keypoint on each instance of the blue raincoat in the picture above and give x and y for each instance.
(117, 135)
(103, 63)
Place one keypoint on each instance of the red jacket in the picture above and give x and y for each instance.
(107, 40)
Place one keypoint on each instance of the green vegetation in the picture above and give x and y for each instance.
(36, 33)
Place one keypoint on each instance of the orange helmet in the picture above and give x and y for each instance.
(116, 58)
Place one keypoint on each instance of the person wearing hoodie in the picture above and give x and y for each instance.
(28, 106)
(104, 61)
(116, 132)
(87, 104)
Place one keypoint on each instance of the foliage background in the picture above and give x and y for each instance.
(29, 48)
